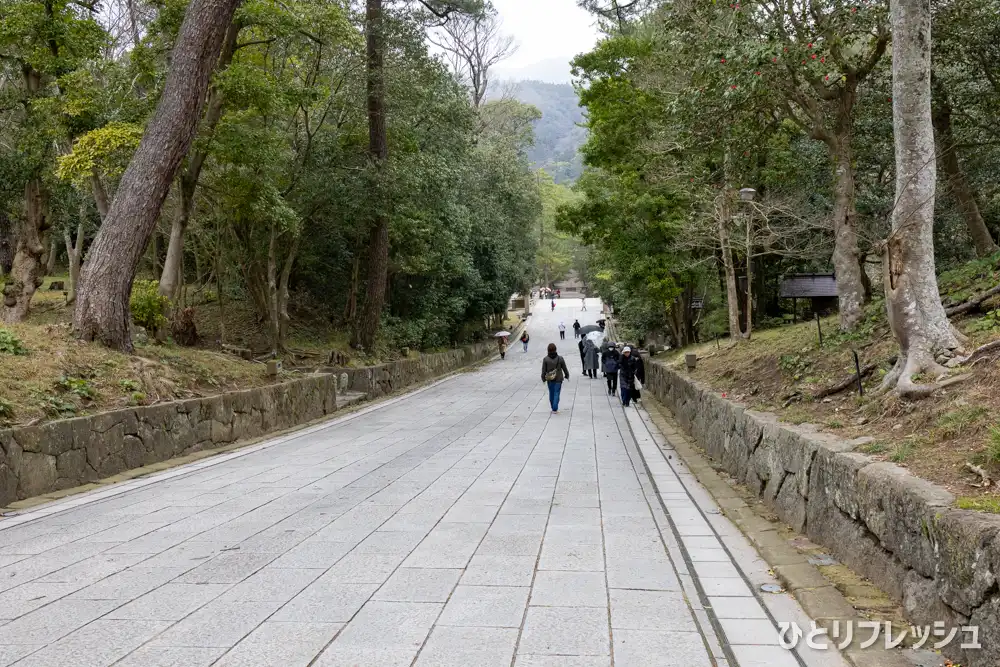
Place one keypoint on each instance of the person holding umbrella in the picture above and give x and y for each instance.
(502, 343)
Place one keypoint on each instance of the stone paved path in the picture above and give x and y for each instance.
(460, 525)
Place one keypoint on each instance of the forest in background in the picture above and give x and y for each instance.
(335, 172)
(559, 133)
(731, 145)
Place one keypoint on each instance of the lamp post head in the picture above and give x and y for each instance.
(747, 194)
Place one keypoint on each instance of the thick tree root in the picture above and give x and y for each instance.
(981, 353)
(900, 379)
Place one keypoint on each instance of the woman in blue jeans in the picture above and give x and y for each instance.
(554, 373)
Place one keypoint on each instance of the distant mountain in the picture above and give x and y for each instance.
(558, 135)
(551, 70)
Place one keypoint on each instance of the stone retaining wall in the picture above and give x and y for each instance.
(896, 529)
(71, 452)
(377, 381)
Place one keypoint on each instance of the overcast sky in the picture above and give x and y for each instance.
(548, 33)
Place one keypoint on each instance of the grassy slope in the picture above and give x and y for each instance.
(934, 437)
(59, 376)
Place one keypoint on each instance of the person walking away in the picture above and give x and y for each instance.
(631, 374)
(524, 340)
(590, 359)
(609, 366)
(553, 305)
(558, 293)
(502, 344)
(583, 304)
(583, 363)
(576, 329)
(562, 331)
(554, 373)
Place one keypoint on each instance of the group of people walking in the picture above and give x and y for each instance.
(623, 370)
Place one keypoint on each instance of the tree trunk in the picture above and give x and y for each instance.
(170, 280)
(846, 257)
(378, 250)
(75, 254)
(732, 296)
(25, 273)
(100, 194)
(916, 316)
(957, 180)
(749, 309)
(273, 326)
(102, 308)
(286, 272)
(351, 309)
(50, 261)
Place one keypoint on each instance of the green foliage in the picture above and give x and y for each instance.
(989, 322)
(6, 410)
(989, 504)
(56, 406)
(149, 308)
(902, 452)
(10, 343)
(956, 422)
(875, 447)
(993, 446)
(795, 365)
(129, 385)
(107, 149)
(77, 386)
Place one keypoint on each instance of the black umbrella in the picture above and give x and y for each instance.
(589, 328)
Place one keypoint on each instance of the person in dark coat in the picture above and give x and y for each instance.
(576, 329)
(583, 362)
(631, 368)
(591, 359)
(554, 373)
(609, 366)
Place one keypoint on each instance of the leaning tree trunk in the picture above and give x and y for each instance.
(957, 180)
(378, 148)
(916, 316)
(102, 307)
(26, 271)
(846, 257)
(170, 279)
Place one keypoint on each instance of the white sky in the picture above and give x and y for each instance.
(549, 34)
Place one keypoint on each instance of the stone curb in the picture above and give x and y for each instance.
(817, 596)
